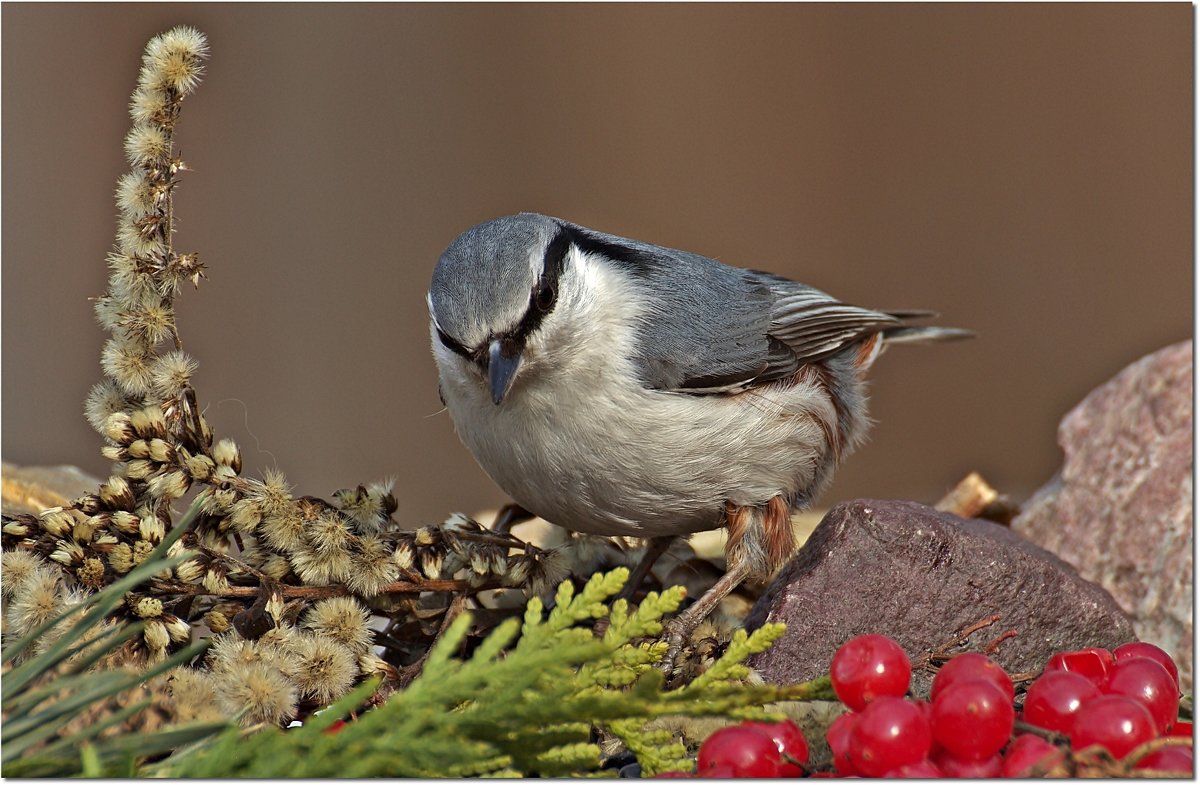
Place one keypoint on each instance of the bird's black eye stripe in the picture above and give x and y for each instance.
(452, 344)
(544, 295)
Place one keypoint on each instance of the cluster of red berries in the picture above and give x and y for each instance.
(751, 749)
(1117, 699)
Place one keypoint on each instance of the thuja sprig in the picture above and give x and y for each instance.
(508, 710)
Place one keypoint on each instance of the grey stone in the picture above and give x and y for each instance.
(1120, 509)
(917, 575)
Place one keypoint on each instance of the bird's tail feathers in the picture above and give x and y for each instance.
(924, 334)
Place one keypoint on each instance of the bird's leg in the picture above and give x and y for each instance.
(760, 540)
(678, 629)
(509, 516)
(655, 547)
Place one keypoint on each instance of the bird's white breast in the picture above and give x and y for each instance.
(582, 443)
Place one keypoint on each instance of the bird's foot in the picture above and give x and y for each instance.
(679, 629)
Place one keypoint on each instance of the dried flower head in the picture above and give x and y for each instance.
(127, 361)
(67, 553)
(173, 60)
(171, 373)
(56, 521)
(276, 566)
(402, 556)
(323, 668)
(135, 195)
(548, 569)
(91, 573)
(156, 636)
(215, 580)
(328, 533)
(178, 629)
(103, 400)
(147, 144)
(258, 689)
(35, 602)
(149, 106)
(16, 569)
(431, 565)
(169, 485)
(120, 558)
(152, 529)
(372, 568)
(273, 495)
(217, 621)
(368, 507)
(116, 494)
(245, 515)
(283, 531)
(218, 503)
(194, 696)
(149, 324)
(226, 453)
(149, 422)
(148, 607)
(317, 569)
(344, 620)
(230, 650)
(142, 550)
(189, 571)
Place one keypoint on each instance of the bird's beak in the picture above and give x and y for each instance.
(504, 358)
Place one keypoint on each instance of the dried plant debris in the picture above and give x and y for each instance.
(302, 597)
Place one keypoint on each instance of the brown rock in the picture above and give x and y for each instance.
(917, 575)
(1120, 510)
(31, 489)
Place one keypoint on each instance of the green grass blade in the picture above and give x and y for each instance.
(23, 734)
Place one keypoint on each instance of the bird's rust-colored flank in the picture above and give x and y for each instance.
(761, 538)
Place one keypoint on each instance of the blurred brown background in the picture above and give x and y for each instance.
(1026, 170)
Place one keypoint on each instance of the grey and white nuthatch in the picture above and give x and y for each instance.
(616, 387)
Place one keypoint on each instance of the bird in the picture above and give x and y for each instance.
(616, 387)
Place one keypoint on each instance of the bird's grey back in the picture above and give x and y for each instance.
(713, 327)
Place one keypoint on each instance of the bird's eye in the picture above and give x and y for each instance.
(544, 296)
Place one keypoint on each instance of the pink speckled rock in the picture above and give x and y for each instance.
(1120, 509)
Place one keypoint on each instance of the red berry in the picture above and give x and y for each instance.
(334, 727)
(1093, 664)
(1052, 700)
(839, 740)
(748, 752)
(972, 719)
(969, 769)
(1143, 649)
(971, 665)
(1148, 681)
(889, 733)
(1030, 754)
(793, 747)
(921, 770)
(1177, 759)
(1116, 722)
(722, 772)
(927, 712)
(867, 667)
(1183, 729)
